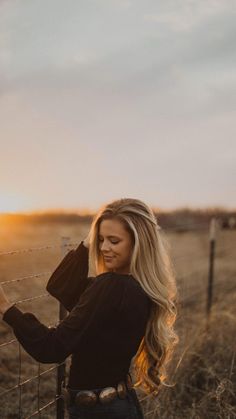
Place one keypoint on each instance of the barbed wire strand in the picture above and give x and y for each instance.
(32, 298)
(8, 343)
(23, 278)
(195, 226)
(36, 249)
(33, 249)
(43, 408)
(28, 250)
(21, 384)
(174, 260)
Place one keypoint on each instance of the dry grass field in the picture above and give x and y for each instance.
(203, 368)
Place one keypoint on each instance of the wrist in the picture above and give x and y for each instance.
(5, 307)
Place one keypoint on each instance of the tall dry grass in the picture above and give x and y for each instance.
(203, 369)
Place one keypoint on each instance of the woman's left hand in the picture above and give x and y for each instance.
(4, 302)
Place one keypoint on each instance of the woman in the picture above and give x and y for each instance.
(125, 313)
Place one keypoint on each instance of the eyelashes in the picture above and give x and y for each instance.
(100, 240)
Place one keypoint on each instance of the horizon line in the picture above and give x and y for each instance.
(88, 211)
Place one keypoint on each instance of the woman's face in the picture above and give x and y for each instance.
(115, 245)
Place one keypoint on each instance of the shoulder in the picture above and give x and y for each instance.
(110, 285)
(117, 280)
(132, 288)
(105, 290)
(135, 296)
(116, 290)
(123, 283)
(106, 283)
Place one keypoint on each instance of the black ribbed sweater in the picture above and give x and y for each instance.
(103, 330)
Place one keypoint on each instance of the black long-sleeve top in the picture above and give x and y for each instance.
(105, 325)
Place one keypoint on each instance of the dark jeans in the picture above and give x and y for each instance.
(128, 408)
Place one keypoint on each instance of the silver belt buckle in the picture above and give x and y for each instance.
(107, 395)
(85, 398)
(121, 390)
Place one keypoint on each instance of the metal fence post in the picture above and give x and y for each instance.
(61, 370)
(212, 238)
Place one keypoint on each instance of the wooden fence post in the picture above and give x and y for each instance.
(61, 370)
(212, 238)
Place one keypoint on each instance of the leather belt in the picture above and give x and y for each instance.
(90, 397)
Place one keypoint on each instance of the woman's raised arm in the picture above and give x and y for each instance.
(70, 278)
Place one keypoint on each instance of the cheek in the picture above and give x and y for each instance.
(126, 252)
(120, 251)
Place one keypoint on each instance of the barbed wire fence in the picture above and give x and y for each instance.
(60, 369)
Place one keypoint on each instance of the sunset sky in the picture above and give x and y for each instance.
(103, 99)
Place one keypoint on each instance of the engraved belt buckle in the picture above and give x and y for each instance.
(107, 395)
(121, 390)
(85, 398)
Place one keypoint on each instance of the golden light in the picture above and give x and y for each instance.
(10, 203)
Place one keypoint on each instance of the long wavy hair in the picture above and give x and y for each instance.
(151, 266)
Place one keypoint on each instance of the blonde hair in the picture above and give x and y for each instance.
(152, 268)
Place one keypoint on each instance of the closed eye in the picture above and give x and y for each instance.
(112, 241)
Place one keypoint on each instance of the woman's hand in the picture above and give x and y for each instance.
(86, 241)
(4, 302)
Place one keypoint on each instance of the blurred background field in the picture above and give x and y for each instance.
(203, 368)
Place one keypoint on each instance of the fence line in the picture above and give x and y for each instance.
(61, 371)
(32, 298)
(8, 343)
(33, 249)
(43, 408)
(22, 383)
(23, 278)
(28, 250)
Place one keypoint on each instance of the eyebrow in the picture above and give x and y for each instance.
(110, 237)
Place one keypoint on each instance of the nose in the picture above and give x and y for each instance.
(105, 246)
